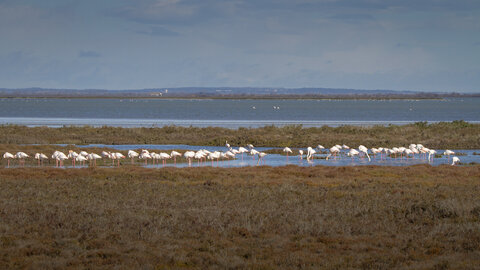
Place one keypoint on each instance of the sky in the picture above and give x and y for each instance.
(429, 45)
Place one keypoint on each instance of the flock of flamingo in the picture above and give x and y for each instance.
(201, 156)
(395, 152)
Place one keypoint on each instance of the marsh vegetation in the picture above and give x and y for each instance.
(453, 135)
(287, 217)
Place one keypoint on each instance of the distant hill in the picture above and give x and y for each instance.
(223, 92)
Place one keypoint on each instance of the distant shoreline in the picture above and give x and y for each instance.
(252, 97)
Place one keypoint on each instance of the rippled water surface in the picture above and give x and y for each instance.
(232, 113)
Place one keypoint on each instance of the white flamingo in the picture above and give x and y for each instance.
(242, 150)
(352, 153)
(253, 152)
(409, 152)
(300, 154)
(261, 157)
(21, 156)
(431, 154)
(364, 150)
(229, 154)
(145, 155)
(59, 158)
(455, 160)
(174, 155)
(118, 156)
(132, 154)
(93, 157)
(72, 155)
(106, 154)
(189, 155)
(81, 159)
(320, 148)
(448, 153)
(40, 157)
(164, 157)
(214, 155)
(199, 155)
(310, 153)
(8, 156)
(287, 150)
(333, 152)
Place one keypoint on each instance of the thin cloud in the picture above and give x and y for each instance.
(89, 54)
(159, 32)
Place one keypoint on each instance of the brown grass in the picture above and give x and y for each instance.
(455, 135)
(417, 217)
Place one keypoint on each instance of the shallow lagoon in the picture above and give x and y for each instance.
(466, 157)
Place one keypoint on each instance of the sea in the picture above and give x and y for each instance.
(233, 113)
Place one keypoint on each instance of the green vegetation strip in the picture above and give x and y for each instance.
(417, 217)
(453, 135)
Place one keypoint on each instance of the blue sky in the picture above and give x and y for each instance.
(431, 45)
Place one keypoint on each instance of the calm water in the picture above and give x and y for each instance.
(232, 113)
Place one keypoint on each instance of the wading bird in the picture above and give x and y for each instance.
(132, 154)
(8, 156)
(333, 152)
(72, 155)
(352, 153)
(189, 155)
(455, 160)
(93, 157)
(59, 158)
(21, 156)
(261, 157)
(145, 155)
(310, 153)
(448, 153)
(253, 152)
(164, 157)
(242, 150)
(174, 155)
(81, 159)
(40, 157)
(287, 150)
(364, 150)
(117, 156)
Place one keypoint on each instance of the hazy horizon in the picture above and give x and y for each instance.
(431, 46)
